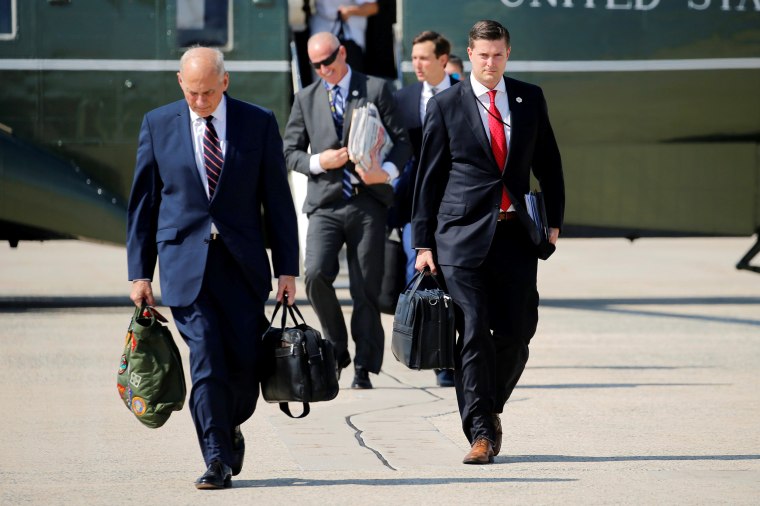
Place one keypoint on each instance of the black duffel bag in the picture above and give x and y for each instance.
(423, 327)
(302, 365)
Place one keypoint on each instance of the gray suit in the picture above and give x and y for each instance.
(358, 222)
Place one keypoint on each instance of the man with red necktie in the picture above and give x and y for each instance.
(480, 139)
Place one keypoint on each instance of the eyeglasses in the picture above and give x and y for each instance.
(327, 61)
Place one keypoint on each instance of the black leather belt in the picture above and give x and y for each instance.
(506, 216)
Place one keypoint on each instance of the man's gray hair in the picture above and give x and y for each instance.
(218, 58)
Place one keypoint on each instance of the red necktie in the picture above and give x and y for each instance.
(212, 156)
(498, 143)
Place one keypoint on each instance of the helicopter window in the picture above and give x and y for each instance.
(204, 22)
(7, 19)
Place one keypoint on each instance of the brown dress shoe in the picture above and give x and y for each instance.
(480, 453)
(497, 434)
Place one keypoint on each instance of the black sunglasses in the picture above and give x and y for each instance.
(327, 61)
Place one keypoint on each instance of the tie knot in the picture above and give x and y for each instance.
(492, 96)
(433, 90)
(208, 119)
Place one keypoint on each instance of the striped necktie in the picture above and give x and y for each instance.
(336, 108)
(212, 156)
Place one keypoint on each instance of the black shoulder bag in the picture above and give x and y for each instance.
(423, 327)
(302, 365)
(354, 53)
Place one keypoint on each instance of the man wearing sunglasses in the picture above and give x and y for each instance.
(345, 203)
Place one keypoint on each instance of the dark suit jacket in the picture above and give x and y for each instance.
(408, 106)
(458, 188)
(311, 123)
(169, 214)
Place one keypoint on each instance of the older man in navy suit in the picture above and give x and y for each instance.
(206, 166)
(481, 140)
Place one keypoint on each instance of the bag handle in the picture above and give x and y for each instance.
(146, 311)
(343, 29)
(285, 408)
(284, 317)
(417, 280)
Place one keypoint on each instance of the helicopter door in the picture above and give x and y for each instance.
(204, 22)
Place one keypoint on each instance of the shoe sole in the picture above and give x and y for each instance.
(478, 462)
(209, 486)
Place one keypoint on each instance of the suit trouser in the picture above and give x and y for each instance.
(223, 329)
(359, 223)
(497, 315)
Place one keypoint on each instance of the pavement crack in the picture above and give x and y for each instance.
(358, 432)
(358, 435)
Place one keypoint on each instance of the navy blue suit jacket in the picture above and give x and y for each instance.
(169, 214)
(408, 107)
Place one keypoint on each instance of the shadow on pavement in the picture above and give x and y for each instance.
(301, 482)
(513, 459)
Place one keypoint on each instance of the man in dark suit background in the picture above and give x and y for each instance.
(346, 204)
(430, 54)
(480, 138)
(205, 167)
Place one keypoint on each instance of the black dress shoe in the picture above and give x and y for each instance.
(361, 379)
(444, 377)
(218, 475)
(342, 364)
(238, 450)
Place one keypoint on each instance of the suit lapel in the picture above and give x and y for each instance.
(357, 94)
(414, 106)
(472, 117)
(234, 140)
(323, 112)
(186, 150)
(515, 110)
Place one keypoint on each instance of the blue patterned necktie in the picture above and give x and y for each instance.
(337, 108)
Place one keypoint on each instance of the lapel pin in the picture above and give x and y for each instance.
(355, 93)
(518, 100)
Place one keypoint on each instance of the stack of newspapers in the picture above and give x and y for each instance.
(368, 139)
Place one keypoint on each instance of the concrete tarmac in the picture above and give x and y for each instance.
(642, 388)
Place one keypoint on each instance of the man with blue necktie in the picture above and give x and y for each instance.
(206, 167)
(345, 203)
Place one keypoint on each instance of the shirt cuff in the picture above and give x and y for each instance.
(314, 166)
(391, 169)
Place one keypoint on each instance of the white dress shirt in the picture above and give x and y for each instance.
(198, 127)
(427, 93)
(502, 104)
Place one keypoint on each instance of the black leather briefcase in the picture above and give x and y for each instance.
(302, 366)
(423, 327)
